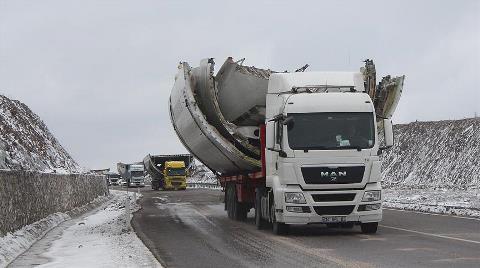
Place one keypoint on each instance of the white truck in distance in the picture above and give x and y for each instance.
(304, 149)
(132, 174)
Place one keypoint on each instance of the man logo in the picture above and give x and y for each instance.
(333, 175)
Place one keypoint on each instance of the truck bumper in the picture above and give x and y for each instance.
(313, 217)
(174, 185)
(325, 211)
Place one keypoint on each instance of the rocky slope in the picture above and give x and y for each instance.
(442, 154)
(26, 143)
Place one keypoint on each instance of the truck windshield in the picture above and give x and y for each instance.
(137, 173)
(331, 131)
(176, 172)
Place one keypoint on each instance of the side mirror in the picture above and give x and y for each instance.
(388, 130)
(289, 122)
(269, 135)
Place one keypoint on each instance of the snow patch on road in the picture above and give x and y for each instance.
(443, 201)
(14, 244)
(102, 239)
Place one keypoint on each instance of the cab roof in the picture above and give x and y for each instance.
(284, 82)
(329, 102)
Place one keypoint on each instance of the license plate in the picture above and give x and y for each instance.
(333, 219)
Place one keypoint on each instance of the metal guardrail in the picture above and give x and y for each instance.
(203, 185)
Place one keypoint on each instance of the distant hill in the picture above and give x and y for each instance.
(434, 155)
(26, 143)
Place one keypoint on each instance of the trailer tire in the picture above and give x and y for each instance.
(259, 222)
(240, 210)
(369, 228)
(228, 201)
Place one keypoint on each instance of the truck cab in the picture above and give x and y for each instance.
(113, 178)
(175, 174)
(322, 152)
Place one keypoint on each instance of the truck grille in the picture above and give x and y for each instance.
(329, 175)
(332, 197)
(333, 210)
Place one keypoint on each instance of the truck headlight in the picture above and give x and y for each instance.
(369, 196)
(296, 198)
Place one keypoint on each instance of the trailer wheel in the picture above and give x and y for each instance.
(369, 228)
(228, 201)
(235, 210)
(239, 209)
(259, 222)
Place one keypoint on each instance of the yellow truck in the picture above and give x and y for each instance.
(175, 175)
(168, 171)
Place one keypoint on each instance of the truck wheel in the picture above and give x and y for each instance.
(228, 201)
(240, 209)
(279, 228)
(369, 228)
(259, 222)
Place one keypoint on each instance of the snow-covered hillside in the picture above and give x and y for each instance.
(26, 143)
(441, 154)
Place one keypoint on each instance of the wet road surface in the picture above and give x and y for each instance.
(191, 229)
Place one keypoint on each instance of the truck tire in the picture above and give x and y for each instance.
(369, 228)
(228, 201)
(235, 210)
(279, 228)
(240, 210)
(259, 222)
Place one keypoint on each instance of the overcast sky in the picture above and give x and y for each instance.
(99, 73)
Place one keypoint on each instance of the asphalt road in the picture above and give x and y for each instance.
(190, 229)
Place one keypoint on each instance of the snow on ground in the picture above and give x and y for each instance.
(444, 201)
(14, 244)
(102, 239)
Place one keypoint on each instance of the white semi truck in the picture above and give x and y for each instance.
(299, 147)
(132, 174)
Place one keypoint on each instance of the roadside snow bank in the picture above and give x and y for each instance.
(102, 239)
(14, 244)
(443, 201)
